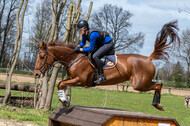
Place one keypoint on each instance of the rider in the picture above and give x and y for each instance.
(100, 45)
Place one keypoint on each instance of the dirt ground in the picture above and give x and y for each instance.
(12, 122)
(24, 78)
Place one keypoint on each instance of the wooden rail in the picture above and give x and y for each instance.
(20, 87)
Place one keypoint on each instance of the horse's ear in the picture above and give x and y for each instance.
(43, 45)
(40, 44)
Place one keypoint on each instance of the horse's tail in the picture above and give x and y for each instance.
(161, 44)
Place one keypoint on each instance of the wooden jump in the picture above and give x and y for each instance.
(92, 116)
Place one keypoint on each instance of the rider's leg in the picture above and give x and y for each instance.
(101, 77)
(102, 51)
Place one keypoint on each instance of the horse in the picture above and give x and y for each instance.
(138, 69)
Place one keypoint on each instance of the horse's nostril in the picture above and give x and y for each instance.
(37, 75)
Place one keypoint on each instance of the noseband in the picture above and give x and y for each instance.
(45, 62)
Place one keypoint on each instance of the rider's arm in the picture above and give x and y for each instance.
(83, 42)
(93, 37)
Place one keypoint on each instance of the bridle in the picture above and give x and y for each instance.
(42, 67)
(45, 63)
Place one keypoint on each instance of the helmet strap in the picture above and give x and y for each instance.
(85, 32)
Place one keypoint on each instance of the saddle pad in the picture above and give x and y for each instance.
(109, 61)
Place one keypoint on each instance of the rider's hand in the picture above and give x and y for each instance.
(77, 49)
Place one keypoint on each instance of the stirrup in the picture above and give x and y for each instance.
(101, 78)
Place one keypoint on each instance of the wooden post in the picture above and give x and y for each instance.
(169, 91)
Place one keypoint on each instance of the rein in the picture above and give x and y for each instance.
(59, 61)
(68, 66)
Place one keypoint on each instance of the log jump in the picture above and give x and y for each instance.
(20, 87)
(21, 100)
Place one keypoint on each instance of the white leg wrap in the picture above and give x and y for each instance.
(61, 95)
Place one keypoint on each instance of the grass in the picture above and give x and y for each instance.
(138, 102)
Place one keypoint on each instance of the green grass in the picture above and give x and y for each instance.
(138, 102)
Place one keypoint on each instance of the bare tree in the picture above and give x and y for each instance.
(184, 53)
(7, 18)
(46, 95)
(52, 34)
(74, 14)
(13, 60)
(42, 20)
(41, 23)
(177, 75)
(165, 72)
(115, 21)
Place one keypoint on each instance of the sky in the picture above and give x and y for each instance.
(149, 16)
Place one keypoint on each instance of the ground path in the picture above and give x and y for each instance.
(13, 122)
(30, 79)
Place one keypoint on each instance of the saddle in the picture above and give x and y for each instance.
(109, 62)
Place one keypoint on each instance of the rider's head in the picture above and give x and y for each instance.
(82, 27)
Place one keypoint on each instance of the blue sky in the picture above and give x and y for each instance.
(149, 16)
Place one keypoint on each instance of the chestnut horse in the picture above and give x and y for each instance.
(136, 68)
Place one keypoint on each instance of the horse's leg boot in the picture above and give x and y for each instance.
(156, 102)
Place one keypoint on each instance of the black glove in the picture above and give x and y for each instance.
(77, 49)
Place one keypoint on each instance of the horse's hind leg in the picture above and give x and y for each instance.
(157, 86)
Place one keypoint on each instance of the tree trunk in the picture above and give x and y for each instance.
(44, 91)
(53, 22)
(69, 35)
(16, 50)
(51, 86)
(47, 99)
(89, 11)
(68, 28)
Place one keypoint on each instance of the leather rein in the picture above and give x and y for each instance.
(41, 68)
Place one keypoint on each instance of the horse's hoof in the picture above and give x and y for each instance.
(159, 107)
(66, 103)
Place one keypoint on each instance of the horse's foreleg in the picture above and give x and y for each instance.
(70, 82)
(61, 92)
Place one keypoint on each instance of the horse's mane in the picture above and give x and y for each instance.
(62, 43)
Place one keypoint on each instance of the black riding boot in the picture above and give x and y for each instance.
(101, 77)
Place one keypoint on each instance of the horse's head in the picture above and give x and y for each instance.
(44, 60)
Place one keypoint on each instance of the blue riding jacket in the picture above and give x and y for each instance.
(93, 37)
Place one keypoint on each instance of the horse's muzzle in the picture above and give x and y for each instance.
(37, 75)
